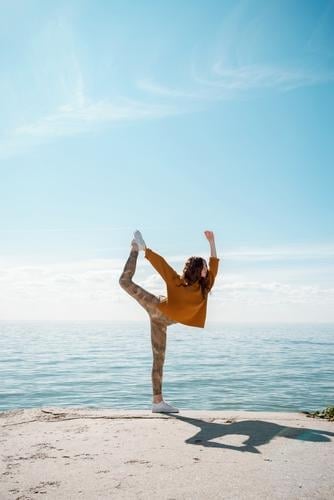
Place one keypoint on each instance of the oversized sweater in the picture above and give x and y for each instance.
(184, 304)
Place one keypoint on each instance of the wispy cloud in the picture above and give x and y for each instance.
(79, 117)
(71, 110)
(316, 253)
(74, 111)
(69, 119)
(274, 292)
(284, 253)
(230, 68)
(257, 76)
(225, 82)
(163, 90)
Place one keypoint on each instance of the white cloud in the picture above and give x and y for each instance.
(230, 68)
(72, 119)
(73, 112)
(163, 90)
(273, 292)
(79, 117)
(288, 252)
(90, 289)
(256, 76)
(226, 82)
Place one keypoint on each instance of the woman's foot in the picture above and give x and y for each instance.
(163, 407)
(140, 240)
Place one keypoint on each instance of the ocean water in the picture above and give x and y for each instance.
(262, 367)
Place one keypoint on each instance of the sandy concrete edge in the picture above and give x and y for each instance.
(84, 453)
(62, 413)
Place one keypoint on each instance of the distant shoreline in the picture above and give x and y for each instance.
(144, 321)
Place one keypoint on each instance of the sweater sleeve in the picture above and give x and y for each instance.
(213, 270)
(159, 263)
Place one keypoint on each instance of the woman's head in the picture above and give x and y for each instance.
(196, 270)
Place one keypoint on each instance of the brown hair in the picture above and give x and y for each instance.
(192, 274)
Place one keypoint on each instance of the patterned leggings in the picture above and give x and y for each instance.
(158, 320)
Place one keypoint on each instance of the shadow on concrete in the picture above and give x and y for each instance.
(259, 433)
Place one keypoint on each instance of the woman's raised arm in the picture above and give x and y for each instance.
(211, 239)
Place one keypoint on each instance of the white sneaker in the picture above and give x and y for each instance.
(139, 239)
(163, 407)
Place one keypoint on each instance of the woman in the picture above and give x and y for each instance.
(186, 302)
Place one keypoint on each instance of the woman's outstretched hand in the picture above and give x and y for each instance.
(209, 235)
(211, 239)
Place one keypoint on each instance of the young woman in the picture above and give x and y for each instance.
(186, 302)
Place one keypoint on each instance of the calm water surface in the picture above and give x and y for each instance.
(108, 364)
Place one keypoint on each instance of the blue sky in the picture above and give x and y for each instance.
(172, 118)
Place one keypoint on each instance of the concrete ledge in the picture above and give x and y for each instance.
(84, 453)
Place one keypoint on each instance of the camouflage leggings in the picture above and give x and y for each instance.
(158, 320)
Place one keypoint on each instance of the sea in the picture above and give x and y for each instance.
(107, 364)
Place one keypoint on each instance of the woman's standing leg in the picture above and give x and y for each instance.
(158, 341)
(158, 321)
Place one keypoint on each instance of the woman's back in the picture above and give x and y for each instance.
(185, 302)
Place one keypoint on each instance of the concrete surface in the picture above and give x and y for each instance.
(63, 453)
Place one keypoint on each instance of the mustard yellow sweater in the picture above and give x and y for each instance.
(184, 304)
